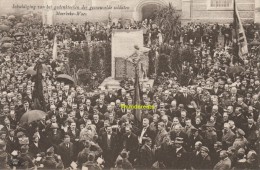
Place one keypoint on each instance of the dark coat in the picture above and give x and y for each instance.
(98, 125)
(72, 135)
(195, 159)
(185, 100)
(66, 153)
(205, 163)
(102, 109)
(61, 120)
(90, 110)
(35, 150)
(11, 145)
(51, 163)
(26, 161)
(109, 99)
(180, 159)
(223, 165)
(111, 152)
(146, 157)
(92, 165)
(148, 133)
(131, 144)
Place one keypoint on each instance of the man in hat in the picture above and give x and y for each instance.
(89, 147)
(3, 156)
(146, 131)
(185, 98)
(54, 135)
(241, 159)
(130, 143)
(240, 141)
(173, 110)
(25, 159)
(161, 134)
(147, 156)
(11, 141)
(90, 163)
(205, 162)
(195, 156)
(224, 163)
(66, 151)
(177, 132)
(110, 97)
(193, 138)
(180, 157)
(36, 147)
(109, 145)
(228, 136)
(52, 161)
(215, 153)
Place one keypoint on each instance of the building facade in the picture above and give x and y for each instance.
(211, 11)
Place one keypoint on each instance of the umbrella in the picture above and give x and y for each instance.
(7, 45)
(31, 71)
(7, 22)
(34, 30)
(4, 16)
(19, 34)
(255, 43)
(26, 16)
(12, 30)
(11, 17)
(4, 27)
(235, 69)
(66, 78)
(19, 24)
(7, 39)
(32, 115)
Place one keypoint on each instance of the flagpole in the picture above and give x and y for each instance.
(235, 37)
(234, 19)
(137, 95)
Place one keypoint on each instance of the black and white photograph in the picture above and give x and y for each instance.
(130, 84)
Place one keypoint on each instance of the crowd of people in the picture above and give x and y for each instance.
(212, 123)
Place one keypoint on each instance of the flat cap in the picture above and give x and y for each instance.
(20, 134)
(2, 143)
(50, 150)
(241, 132)
(205, 149)
(54, 126)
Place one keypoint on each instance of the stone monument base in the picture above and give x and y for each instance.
(111, 83)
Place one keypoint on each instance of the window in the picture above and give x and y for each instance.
(220, 4)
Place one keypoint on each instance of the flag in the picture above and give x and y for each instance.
(54, 51)
(109, 18)
(239, 35)
(39, 101)
(137, 98)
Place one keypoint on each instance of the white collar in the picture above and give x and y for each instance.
(177, 149)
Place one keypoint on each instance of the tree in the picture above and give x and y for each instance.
(168, 21)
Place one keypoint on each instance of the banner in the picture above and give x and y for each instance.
(54, 51)
(239, 34)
